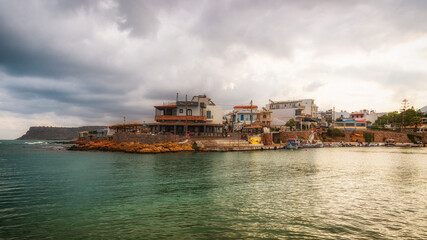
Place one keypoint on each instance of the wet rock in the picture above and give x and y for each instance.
(132, 147)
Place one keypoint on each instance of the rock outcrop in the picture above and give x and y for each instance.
(56, 133)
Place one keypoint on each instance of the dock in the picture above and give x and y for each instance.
(226, 145)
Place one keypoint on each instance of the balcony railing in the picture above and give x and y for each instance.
(178, 118)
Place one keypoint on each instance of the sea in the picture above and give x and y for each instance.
(48, 192)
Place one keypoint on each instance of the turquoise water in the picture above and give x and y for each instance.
(47, 192)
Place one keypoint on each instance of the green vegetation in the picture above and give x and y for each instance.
(335, 132)
(291, 123)
(195, 147)
(414, 138)
(369, 137)
(412, 118)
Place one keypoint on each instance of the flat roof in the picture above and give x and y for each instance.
(126, 125)
(253, 106)
(166, 106)
(183, 124)
(289, 101)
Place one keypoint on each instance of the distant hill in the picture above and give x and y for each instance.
(423, 109)
(56, 133)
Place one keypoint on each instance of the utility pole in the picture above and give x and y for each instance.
(124, 119)
(186, 114)
(333, 116)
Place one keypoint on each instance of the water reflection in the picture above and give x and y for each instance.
(352, 193)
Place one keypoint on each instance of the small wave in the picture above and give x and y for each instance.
(32, 143)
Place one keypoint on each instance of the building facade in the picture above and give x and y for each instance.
(369, 116)
(351, 124)
(264, 117)
(243, 115)
(197, 117)
(302, 111)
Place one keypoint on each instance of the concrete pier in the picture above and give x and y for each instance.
(225, 145)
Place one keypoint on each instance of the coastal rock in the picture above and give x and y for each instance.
(132, 147)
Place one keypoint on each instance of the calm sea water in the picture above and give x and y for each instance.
(47, 192)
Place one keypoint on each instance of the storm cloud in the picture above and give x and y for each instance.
(93, 62)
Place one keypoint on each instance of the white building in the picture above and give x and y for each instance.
(342, 114)
(243, 115)
(364, 114)
(300, 110)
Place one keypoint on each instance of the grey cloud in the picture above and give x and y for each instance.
(190, 47)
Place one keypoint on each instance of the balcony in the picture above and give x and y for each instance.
(161, 118)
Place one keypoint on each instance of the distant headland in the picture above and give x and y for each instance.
(56, 133)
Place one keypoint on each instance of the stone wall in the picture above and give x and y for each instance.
(146, 138)
(96, 139)
(379, 136)
(284, 136)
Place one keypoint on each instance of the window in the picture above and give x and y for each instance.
(181, 110)
(349, 124)
(360, 124)
(189, 112)
(242, 117)
(208, 115)
(277, 106)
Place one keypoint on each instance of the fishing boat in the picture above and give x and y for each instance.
(390, 142)
(293, 143)
(317, 144)
(255, 139)
(311, 143)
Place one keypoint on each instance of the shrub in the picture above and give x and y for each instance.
(335, 132)
(414, 138)
(369, 137)
(195, 147)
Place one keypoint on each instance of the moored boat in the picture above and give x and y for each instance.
(293, 143)
(390, 142)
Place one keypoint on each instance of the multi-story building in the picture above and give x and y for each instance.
(244, 115)
(330, 116)
(369, 116)
(199, 116)
(264, 117)
(303, 110)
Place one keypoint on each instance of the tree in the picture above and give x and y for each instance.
(417, 120)
(291, 123)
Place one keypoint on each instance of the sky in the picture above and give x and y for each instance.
(74, 63)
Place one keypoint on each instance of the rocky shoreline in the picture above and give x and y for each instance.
(132, 147)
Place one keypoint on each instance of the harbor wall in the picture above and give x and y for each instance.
(350, 136)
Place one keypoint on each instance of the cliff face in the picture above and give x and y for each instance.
(56, 133)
